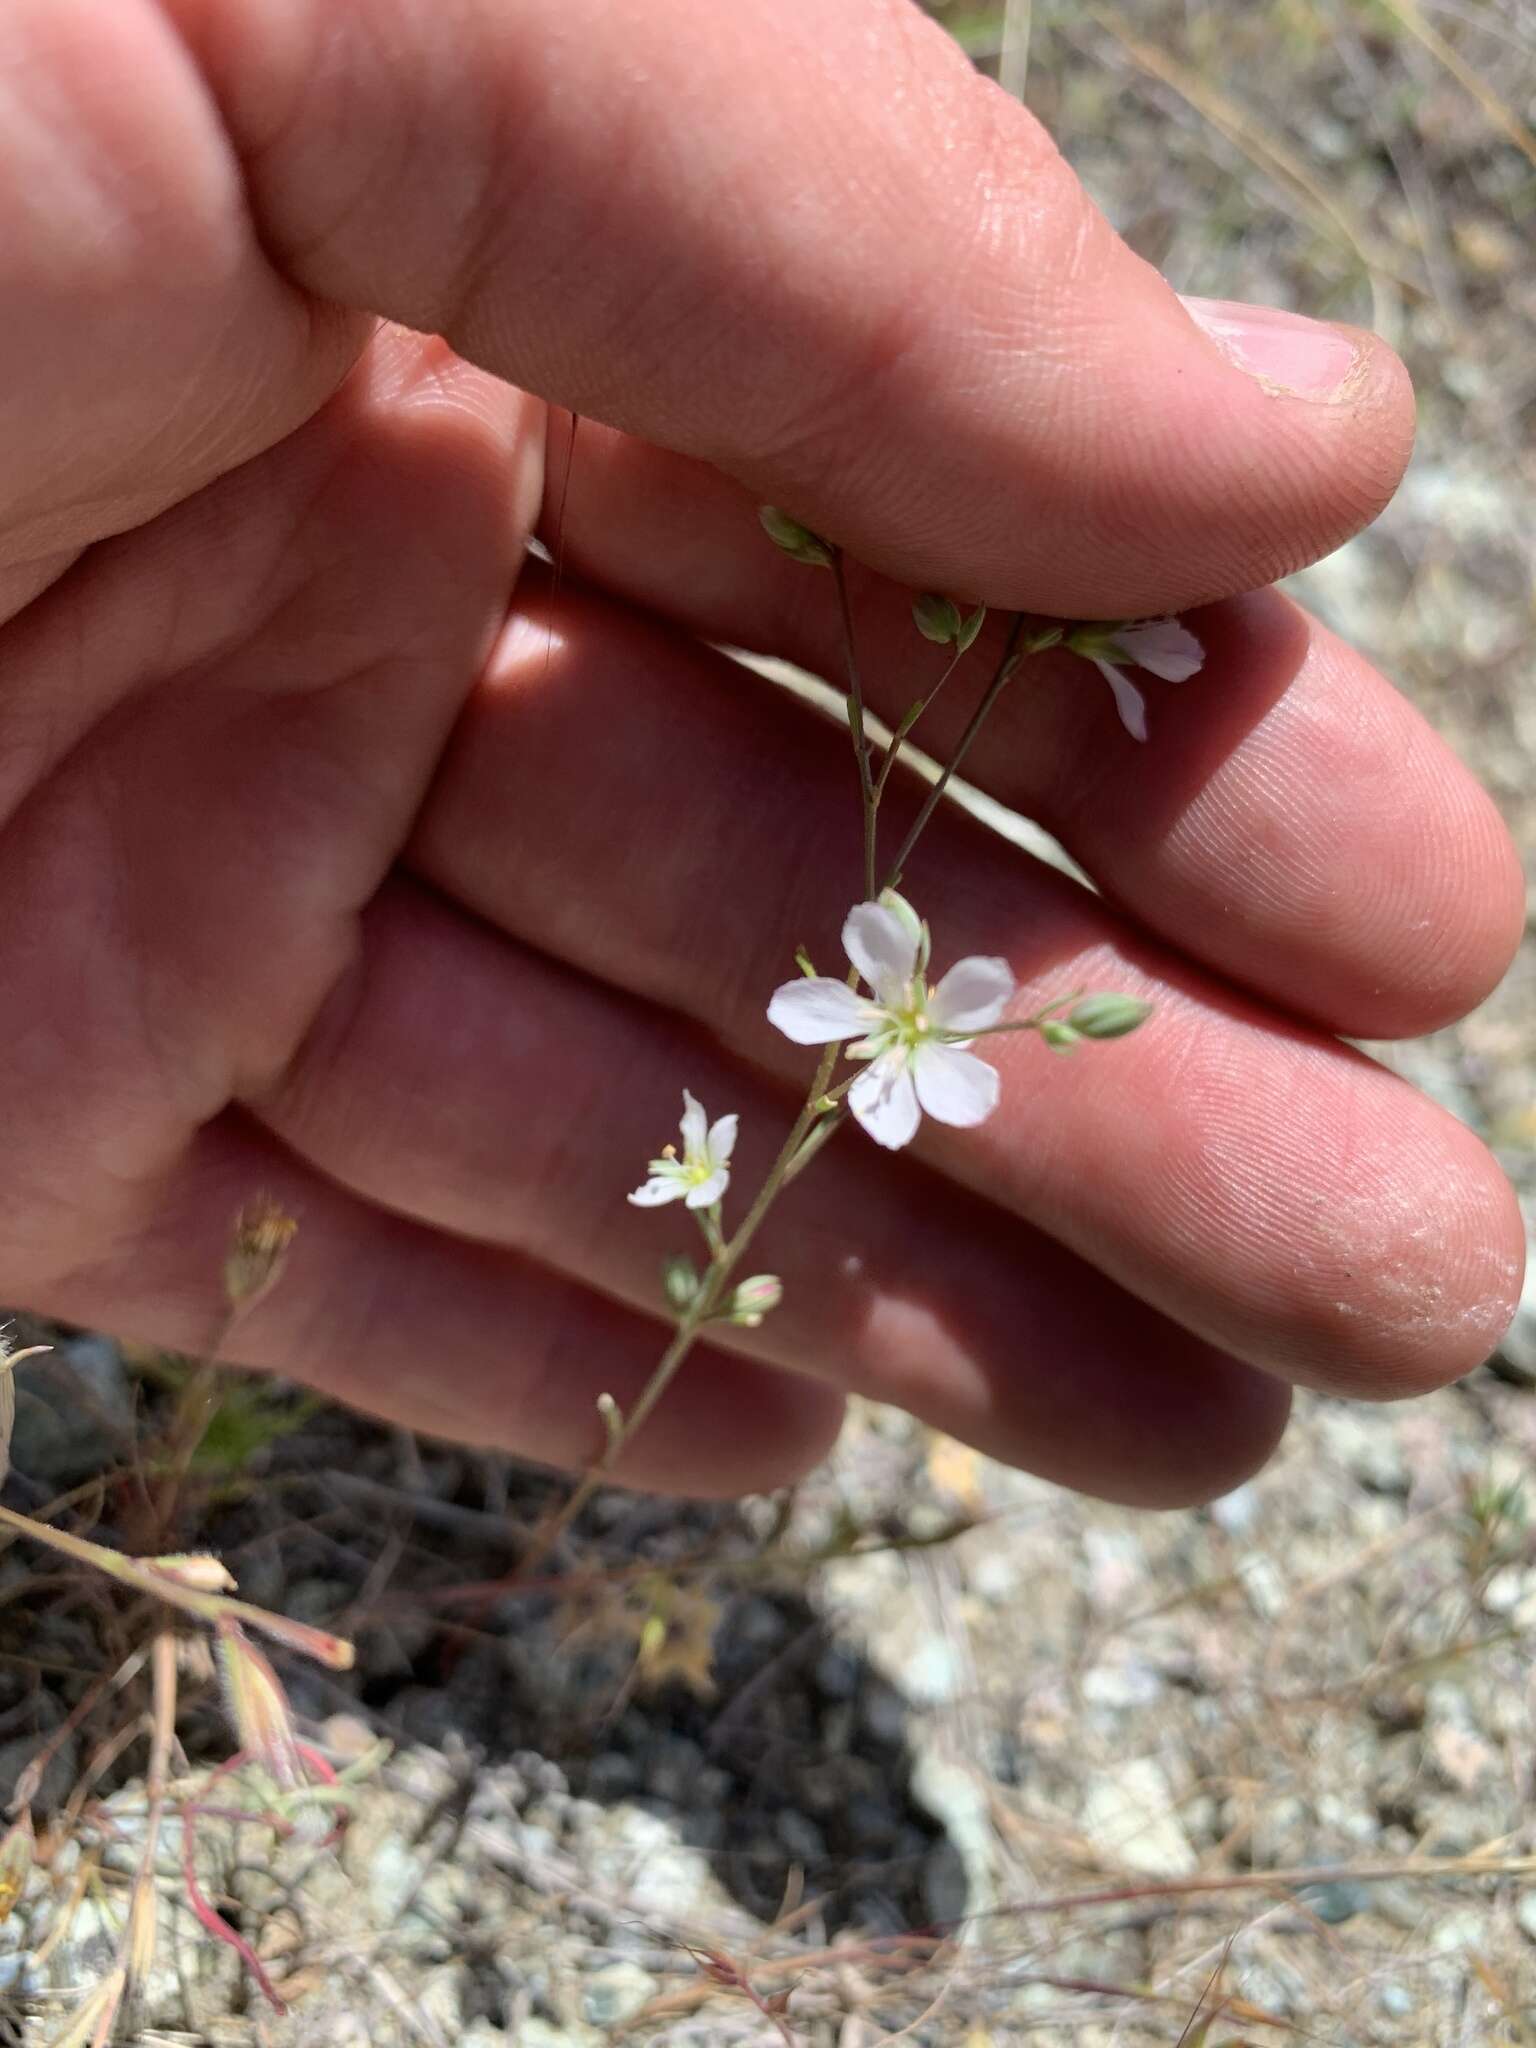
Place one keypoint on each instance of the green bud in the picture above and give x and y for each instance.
(797, 541)
(1108, 1016)
(679, 1282)
(754, 1298)
(1048, 636)
(612, 1417)
(937, 618)
(973, 625)
(1059, 1037)
(1097, 640)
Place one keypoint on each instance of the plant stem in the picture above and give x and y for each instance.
(868, 801)
(795, 1152)
(150, 1575)
(909, 725)
(1000, 679)
(690, 1324)
(189, 1425)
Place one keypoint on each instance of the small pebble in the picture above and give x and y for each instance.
(614, 1994)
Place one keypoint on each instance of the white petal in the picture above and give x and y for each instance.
(708, 1191)
(722, 1140)
(883, 946)
(973, 994)
(955, 1086)
(817, 1010)
(693, 1127)
(1164, 648)
(890, 900)
(885, 1101)
(661, 1187)
(1129, 702)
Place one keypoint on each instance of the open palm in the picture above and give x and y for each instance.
(342, 858)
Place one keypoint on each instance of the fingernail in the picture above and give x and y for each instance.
(1283, 350)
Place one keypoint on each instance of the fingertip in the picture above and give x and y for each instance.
(1301, 827)
(1227, 1423)
(1414, 1273)
(1469, 923)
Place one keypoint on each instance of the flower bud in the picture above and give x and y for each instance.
(1058, 1036)
(754, 1298)
(1108, 1015)
(203, 1574)
(1097, 640)
(611, 1416)
(937, 618)
(257, 1250)
(972, 626)
(796, 541)
(679, 1282)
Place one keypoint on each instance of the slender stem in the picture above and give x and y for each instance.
(904, 732)
(978, 719)
(868, 801)
(709, 1224)
(819, 1114)
(1032, 1023)
(821, 1132)
(691, 1323)
(136, 1949)
(189, 1425)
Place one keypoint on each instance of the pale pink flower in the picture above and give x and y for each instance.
(913, 1036)
(1163, 647)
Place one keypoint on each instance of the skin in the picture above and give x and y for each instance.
(342, 857)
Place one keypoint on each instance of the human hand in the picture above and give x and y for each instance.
(341, 858)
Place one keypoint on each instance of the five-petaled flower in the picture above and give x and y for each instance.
(702, 1175)
(1161, 646)
(913, 1036)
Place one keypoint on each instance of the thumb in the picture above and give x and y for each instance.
(809, 244)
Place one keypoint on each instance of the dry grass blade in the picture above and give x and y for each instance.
(92, 2023)
(18, 1850)
(1264, 149)
(179, 1583)
(138, 1952)
(1013, 59)
(9, 1360)
(1296, 1878)
(1504, 118)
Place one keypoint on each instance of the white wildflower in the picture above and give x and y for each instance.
(1161, 646)
(913, 1036)
(702, 1175)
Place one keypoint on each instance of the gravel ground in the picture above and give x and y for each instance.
(945, 1750)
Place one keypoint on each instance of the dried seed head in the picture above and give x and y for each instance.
(263, 1233)
(202, 1574)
